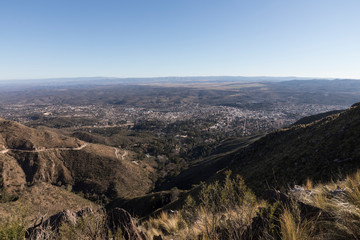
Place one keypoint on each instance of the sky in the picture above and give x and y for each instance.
(154, 38)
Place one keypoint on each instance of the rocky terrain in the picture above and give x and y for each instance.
(30, 157)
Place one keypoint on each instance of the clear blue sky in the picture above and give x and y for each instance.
(133, 38)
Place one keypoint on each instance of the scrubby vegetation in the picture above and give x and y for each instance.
(222, 210)
(13, 227)
(92, 225)
(226, 210)
(340, 203)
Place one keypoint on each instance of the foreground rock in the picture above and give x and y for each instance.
(54, 222)
(121, 219)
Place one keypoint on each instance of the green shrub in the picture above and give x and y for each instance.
(223, 211)
(13, 227)
(92, 226)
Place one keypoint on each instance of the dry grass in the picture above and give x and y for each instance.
(164, 224)
(309, 184)
(341, 202)
(205, 226)
(293, 227)
(223, 212)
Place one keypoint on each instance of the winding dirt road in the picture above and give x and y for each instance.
(122, 156)
(116, 153)
(45, 149)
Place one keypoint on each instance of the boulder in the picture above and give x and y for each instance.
(120, 218)
(54, 222)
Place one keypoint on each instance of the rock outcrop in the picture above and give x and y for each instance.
(54, 222)
(121, 219)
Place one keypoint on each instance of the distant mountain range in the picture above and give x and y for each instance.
(113, 80)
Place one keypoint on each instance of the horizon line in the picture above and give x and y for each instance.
(185, 76)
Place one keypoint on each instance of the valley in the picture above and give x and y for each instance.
(149, 148)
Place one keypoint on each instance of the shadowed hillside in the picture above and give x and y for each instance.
(313, 118)
(324, 149)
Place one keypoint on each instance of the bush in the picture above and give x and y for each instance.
(223, 211)
(13, 227)
(226, 209)
(91, 226)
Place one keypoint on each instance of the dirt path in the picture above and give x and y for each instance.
(46, 149)
(116, 153)
(124, 155)
(78, 148)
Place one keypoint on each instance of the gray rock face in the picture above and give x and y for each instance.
(117, 218)
(54, 222)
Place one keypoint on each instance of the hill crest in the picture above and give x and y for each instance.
(29, 156)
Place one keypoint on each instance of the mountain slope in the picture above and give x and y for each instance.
(43, 199)
(313, 118)
(320, 150)
(323, 150)
(29, 156)
(203, 169)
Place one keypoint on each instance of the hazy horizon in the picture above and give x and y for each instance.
(180, 77)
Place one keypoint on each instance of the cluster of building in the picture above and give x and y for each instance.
(228, 119)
